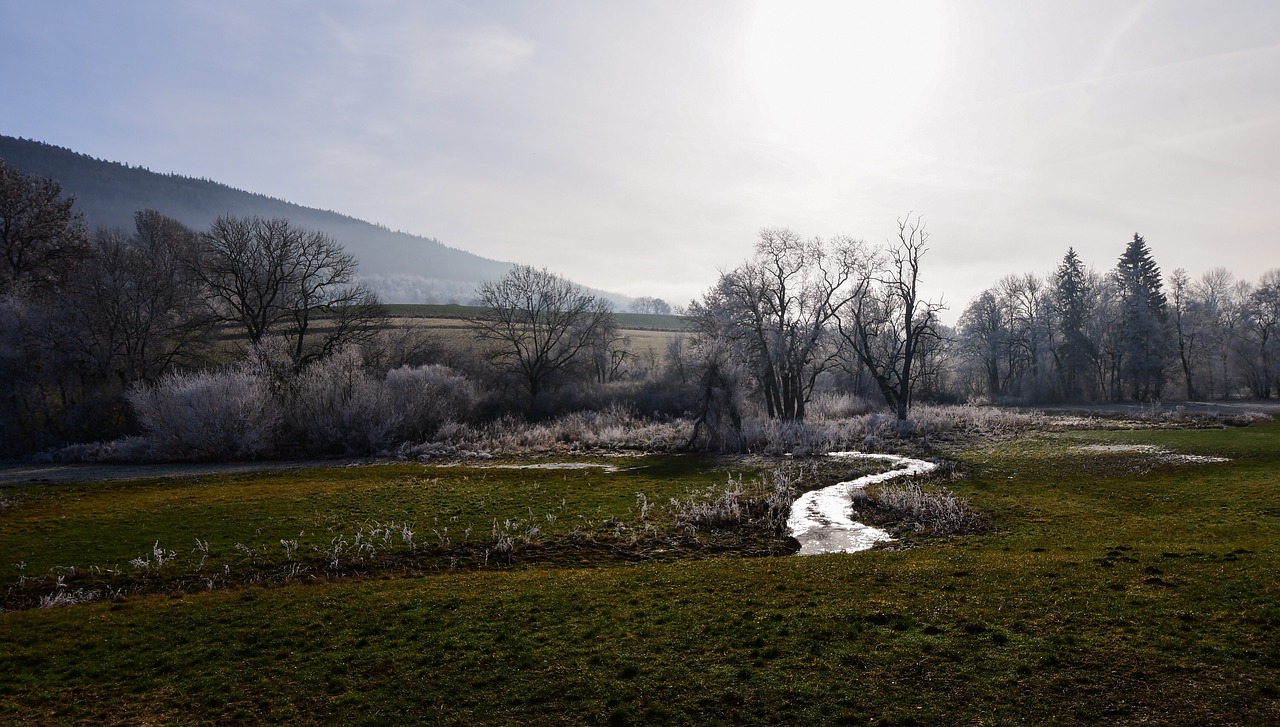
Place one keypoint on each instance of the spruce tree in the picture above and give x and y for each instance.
(1076, 353)
(1143, 311)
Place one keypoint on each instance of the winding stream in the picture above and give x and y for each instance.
(820, 519)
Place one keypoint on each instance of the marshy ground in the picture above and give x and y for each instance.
(1110, 584)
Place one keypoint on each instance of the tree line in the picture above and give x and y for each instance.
(1078, 335)
(85, 316)
(255, 337)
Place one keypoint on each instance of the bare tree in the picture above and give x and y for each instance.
(1029, 311)
(269, 276)
(1185, 315)
(537, 323)
(778, 308)
(655, 306)
(983, 342)
(1262, 334)
(610, 352)
(137, 310)
(886, 326)
(1215, 294)
(41, 236)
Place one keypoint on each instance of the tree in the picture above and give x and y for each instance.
(885, 326)
(41, 236)
(1218, 294)
(1028, 311)
(983, 340)
(777, 308)
(654, 306)
(1186, 319)
(1076, 352)
(1263, 327)
(269, 276)
(136, 310)
(537, 323)
(1143, 315)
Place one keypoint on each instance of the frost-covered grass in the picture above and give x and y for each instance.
(1102, 594)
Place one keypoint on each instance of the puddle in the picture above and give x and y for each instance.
(820, 519)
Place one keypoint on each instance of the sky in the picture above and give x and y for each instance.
(638, 147)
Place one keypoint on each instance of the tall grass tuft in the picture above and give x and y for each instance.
(914, 509)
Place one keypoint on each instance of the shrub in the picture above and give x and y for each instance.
(937, 512)
(426, 397)
(228, 414)
(767, 502)
(339, 408)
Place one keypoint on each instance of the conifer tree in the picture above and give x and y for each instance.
(1076, 352)
(1143, 314)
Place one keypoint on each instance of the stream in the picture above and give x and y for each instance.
(820, 519)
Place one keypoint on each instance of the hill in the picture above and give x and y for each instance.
(403, 268)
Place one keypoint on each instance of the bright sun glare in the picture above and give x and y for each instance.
(844, 79)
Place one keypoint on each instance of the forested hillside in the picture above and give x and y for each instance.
(400, 267)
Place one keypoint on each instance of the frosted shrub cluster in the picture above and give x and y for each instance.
(738, 502)
(939, 512)
(228, 414)
(335, 406)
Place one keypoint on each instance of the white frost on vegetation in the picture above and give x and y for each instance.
(558, 466)
(1158, 452)
(538, 466)
(820, 519)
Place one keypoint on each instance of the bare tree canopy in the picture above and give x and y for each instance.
(270, 276)
(776, 310)
(136, 310)
(886, 328)
(538, 323)
(646, 304)
(41, 236)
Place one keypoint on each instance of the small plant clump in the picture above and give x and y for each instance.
(910, 508)
(764, 502)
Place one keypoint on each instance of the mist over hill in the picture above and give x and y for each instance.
(401, 267)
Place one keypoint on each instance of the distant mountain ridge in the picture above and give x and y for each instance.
(401, 267)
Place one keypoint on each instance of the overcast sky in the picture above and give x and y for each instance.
(639, 146)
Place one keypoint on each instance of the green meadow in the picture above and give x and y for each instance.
(1113, 585)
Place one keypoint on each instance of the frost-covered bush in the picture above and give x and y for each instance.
(939, 512)
(341, 406)
(833, 405)
(125, 449)
(338, 407)
(934, 420)
(227, 414)
(426, 397)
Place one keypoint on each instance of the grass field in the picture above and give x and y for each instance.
(1115, 587)
(647, 335)
(628, 321)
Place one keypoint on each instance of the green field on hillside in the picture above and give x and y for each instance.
(628, 321)
(1117, 584)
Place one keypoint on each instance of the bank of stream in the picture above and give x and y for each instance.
(820, 519)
